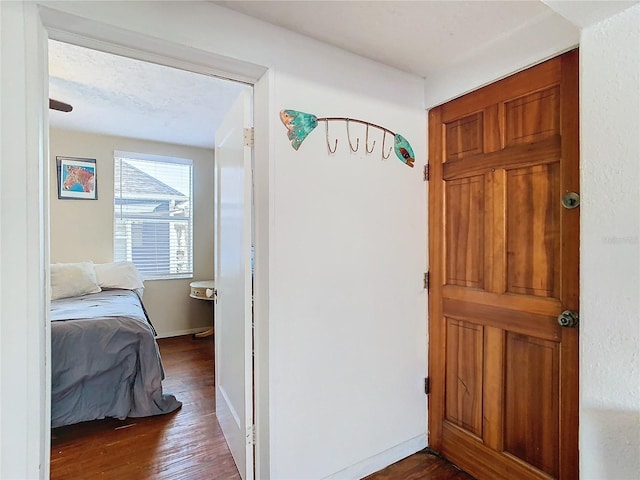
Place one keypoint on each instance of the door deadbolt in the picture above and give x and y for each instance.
(570, 200)
(568, 318)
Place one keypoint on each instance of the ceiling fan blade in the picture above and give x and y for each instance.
(56, 105)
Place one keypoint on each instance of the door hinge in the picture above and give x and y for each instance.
(426, 281)
(427, 386)
(251, 435)
(426, 173)
(248, 137)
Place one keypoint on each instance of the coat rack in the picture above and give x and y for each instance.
(300, 125)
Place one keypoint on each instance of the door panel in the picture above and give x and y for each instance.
(532, 117)
(464, 137)
(504, 264)
(533, 239)
(465, 232)
(233, 317)
(464, 375)
(531, 401)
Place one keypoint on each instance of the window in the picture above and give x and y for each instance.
(153, 214)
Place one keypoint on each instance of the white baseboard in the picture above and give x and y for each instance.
(178, 333)
(381, 460)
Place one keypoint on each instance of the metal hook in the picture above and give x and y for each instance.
(384, 136)
(354, 150)
(366, 147)
(335, 147)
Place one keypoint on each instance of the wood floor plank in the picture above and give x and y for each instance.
(423, 465)
(184, 445)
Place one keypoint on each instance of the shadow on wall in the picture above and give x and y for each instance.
(614, 438)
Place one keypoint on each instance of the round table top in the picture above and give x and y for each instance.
(203, 290)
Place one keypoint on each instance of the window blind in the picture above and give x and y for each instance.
(153, 214)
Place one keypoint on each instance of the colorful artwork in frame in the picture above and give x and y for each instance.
(77, 178)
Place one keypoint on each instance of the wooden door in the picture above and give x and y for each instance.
(504, 264)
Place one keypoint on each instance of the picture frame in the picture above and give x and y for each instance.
(77, 178)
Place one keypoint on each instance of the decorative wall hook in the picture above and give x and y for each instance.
(384, 157)
(367, 142)
(300, 125)
(326, 129)
(354, 150)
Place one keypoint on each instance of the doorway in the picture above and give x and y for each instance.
(127, 104)
(196, 61)
(504, 236)
(25, 271)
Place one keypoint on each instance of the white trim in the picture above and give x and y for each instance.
(152, 157)
(24, 253)
(381, 460)
(180, 333)
(263, 204)
(69, 28)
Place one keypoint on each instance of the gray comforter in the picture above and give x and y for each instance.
(105, 360)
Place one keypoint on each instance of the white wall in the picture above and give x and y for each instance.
(347, 245)
(610, 263)
(83, 230)
(348, 250)
(348, 320)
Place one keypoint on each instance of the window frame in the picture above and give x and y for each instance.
(146, 219)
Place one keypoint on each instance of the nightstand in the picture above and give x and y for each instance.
(203, 290)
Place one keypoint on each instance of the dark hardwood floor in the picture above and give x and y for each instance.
(184, 445)
(420, 466)
(188, 443)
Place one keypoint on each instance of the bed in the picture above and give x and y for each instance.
(105, 361)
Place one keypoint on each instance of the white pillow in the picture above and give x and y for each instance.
(119, 275)
(73, 280)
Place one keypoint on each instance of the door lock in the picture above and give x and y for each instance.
(568, 318)
(570, 200)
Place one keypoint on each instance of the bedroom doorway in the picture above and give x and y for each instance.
(248, 370)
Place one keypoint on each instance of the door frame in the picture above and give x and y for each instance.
(65, 27)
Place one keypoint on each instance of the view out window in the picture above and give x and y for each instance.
(153, 214)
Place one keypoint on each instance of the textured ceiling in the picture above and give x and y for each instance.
(120, 96)
(419, 37)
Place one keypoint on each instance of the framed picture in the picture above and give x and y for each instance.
(77, 178)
